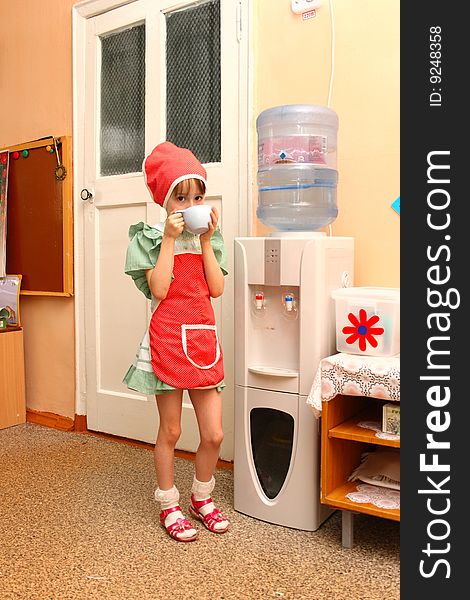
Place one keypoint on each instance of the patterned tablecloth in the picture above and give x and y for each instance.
(355, 375)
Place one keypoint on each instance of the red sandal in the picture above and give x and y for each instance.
(209, 520)
(177, 528)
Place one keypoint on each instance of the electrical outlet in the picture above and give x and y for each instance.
(301, 6)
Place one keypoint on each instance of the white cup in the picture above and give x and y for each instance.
(197, 218)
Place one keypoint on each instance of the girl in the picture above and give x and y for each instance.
(180, 272)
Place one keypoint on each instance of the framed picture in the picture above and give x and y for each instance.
(10, 299)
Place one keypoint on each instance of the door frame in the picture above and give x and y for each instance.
(80, 13)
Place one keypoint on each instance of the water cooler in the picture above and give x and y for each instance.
(285, 318)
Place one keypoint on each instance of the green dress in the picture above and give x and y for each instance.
(142, 254)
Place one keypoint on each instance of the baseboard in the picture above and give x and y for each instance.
(48, 419)
(79, 424)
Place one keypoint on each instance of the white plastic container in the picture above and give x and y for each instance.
(367, 320)
(297, 133)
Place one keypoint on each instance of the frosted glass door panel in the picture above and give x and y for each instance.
(193, 79)
(122, 131)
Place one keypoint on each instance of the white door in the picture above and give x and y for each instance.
(145, 72)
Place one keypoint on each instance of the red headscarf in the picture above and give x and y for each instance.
(166, 166)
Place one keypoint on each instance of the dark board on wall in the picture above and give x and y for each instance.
(39, 219)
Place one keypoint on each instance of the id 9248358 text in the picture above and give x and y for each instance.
(435, 69)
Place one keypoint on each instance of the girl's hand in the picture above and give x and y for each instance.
(174, 225)
(205, 237)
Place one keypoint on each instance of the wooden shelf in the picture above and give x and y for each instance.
(11, 328)
(349, 430)
(343, 443)
(337, 498)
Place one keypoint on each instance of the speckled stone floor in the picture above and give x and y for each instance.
(78, 521)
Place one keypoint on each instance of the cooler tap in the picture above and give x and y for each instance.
(289, 302)
(259, 300)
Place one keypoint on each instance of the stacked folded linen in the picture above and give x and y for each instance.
(381, 468)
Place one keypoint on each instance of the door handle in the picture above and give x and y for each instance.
(86, 195)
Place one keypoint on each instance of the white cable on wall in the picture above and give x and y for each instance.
(333, 44)
(332, 70)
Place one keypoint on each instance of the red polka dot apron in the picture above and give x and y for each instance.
(185, 349)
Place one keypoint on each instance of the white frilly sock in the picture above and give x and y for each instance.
(201, 490)
(169, 499)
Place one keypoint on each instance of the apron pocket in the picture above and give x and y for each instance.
(200, 345)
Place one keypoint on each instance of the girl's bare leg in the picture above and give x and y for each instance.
(208, 407)
(169, 408)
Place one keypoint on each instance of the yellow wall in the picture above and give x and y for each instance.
(35, 102)
(291, 65)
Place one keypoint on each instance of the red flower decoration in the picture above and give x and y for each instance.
(363, 330)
